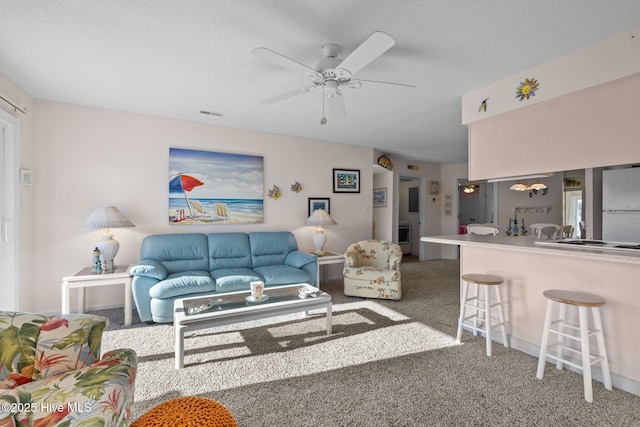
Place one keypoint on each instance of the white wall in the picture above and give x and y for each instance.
(449, 223)
(87, 157)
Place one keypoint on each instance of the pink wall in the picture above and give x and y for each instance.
(86, 157)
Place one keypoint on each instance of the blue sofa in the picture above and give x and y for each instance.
(174, 266)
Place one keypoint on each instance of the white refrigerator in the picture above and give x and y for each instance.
(621, 205)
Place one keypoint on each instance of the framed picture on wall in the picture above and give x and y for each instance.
(379, 197)
(346, 180)
(434, 187)
(318, 203)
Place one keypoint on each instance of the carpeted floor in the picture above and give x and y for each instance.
(387, 363)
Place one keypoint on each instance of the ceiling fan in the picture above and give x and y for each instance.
(334, 75)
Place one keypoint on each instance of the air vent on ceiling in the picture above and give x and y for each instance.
(412, 167)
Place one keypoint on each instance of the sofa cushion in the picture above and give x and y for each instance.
(282, 275)
(372, 274)
(271, 247)
(234, 279)
(229, 250)
(185, 283)
(177, 252)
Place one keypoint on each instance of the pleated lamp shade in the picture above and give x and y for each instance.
(320, 218)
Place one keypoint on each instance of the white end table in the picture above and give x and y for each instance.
(328, 258)
(85, 278)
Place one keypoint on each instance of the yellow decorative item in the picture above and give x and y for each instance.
(526, 89)
(274, 193)
(296, 187)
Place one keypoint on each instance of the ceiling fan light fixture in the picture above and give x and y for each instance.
(519, 186)
(538, 186)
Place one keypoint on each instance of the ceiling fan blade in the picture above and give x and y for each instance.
(289, 94)
(283, 61)
(374, 46)
(336, 106)
(386, 87)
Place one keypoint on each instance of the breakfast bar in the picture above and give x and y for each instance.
(530, 267)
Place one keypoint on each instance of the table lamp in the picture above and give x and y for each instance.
(107, 217)
(320, 217)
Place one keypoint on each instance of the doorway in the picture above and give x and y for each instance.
(410, 214)
(478, 203)
(9, 283)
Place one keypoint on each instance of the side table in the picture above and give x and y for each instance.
(85, 278)
(329, 257)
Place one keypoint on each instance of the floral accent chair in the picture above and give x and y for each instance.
(372, 270)
(51, 373)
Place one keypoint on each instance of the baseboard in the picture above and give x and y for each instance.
(618, 381)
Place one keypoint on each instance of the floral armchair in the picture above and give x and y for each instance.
(51, 373)
(372, 270)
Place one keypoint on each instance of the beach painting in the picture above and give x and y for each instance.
(207, 187)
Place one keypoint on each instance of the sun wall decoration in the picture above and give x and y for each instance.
(527, 88)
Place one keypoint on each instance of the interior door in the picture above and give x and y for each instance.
(9, 283)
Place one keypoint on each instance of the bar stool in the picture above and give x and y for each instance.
(472, 282)
(559, 326)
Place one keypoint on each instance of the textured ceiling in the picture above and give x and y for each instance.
(175, 58)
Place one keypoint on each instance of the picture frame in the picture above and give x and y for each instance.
(434, 188)
(319, 203)
(380, 197)
(346, 180)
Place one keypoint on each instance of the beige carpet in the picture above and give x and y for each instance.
(388, 363)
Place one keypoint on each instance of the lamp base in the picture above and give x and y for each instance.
(319, 240)
(108, 249)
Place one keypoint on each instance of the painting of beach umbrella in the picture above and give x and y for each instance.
(184, 183)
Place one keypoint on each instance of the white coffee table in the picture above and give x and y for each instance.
(233, 307)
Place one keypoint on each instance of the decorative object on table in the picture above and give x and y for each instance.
(275, 193)
(296, 187)
(107, 217)
(346, 180)
(305, 291)
(434, 188)
(257, 290)
(320, 218)
(483, 106)
(379, 197)
(510, 229)
(385, 162)
(316, 203)
(527, 89)
(515, 226)
(202, 182)
(96, 264)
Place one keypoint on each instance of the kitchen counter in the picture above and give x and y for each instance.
(528, 244)
(529, 269)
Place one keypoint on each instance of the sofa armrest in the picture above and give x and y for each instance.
(352, 255)
(150, 268)
(299, 259)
